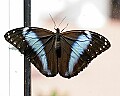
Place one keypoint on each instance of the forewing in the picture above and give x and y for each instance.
(78, 48)
(38, 45)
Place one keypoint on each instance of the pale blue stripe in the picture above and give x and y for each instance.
(78, 47)
(38, 47)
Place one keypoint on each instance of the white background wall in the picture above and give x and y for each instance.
(11, 81)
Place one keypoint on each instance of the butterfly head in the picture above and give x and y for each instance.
(57, 30)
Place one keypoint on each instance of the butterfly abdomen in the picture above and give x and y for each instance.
(58, 48)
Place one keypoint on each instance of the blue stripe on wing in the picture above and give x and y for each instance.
(78, 48)
(34, 41)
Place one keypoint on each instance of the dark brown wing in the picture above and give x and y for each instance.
(38, 45)
(78, 48)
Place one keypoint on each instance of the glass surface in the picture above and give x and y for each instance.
(100, 78)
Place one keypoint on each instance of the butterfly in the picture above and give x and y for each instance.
(66, 53)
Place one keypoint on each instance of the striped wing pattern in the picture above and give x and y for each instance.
(78, 48)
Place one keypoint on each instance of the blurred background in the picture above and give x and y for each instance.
(100, 78)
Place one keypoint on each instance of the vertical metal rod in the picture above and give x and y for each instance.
(27, 65)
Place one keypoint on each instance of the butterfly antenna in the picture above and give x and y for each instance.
(65, 27)
(53, 21)
(61, 21)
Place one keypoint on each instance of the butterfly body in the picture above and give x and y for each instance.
(57, 43)
(66, 53)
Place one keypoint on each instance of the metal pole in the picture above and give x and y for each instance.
(27, 65)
